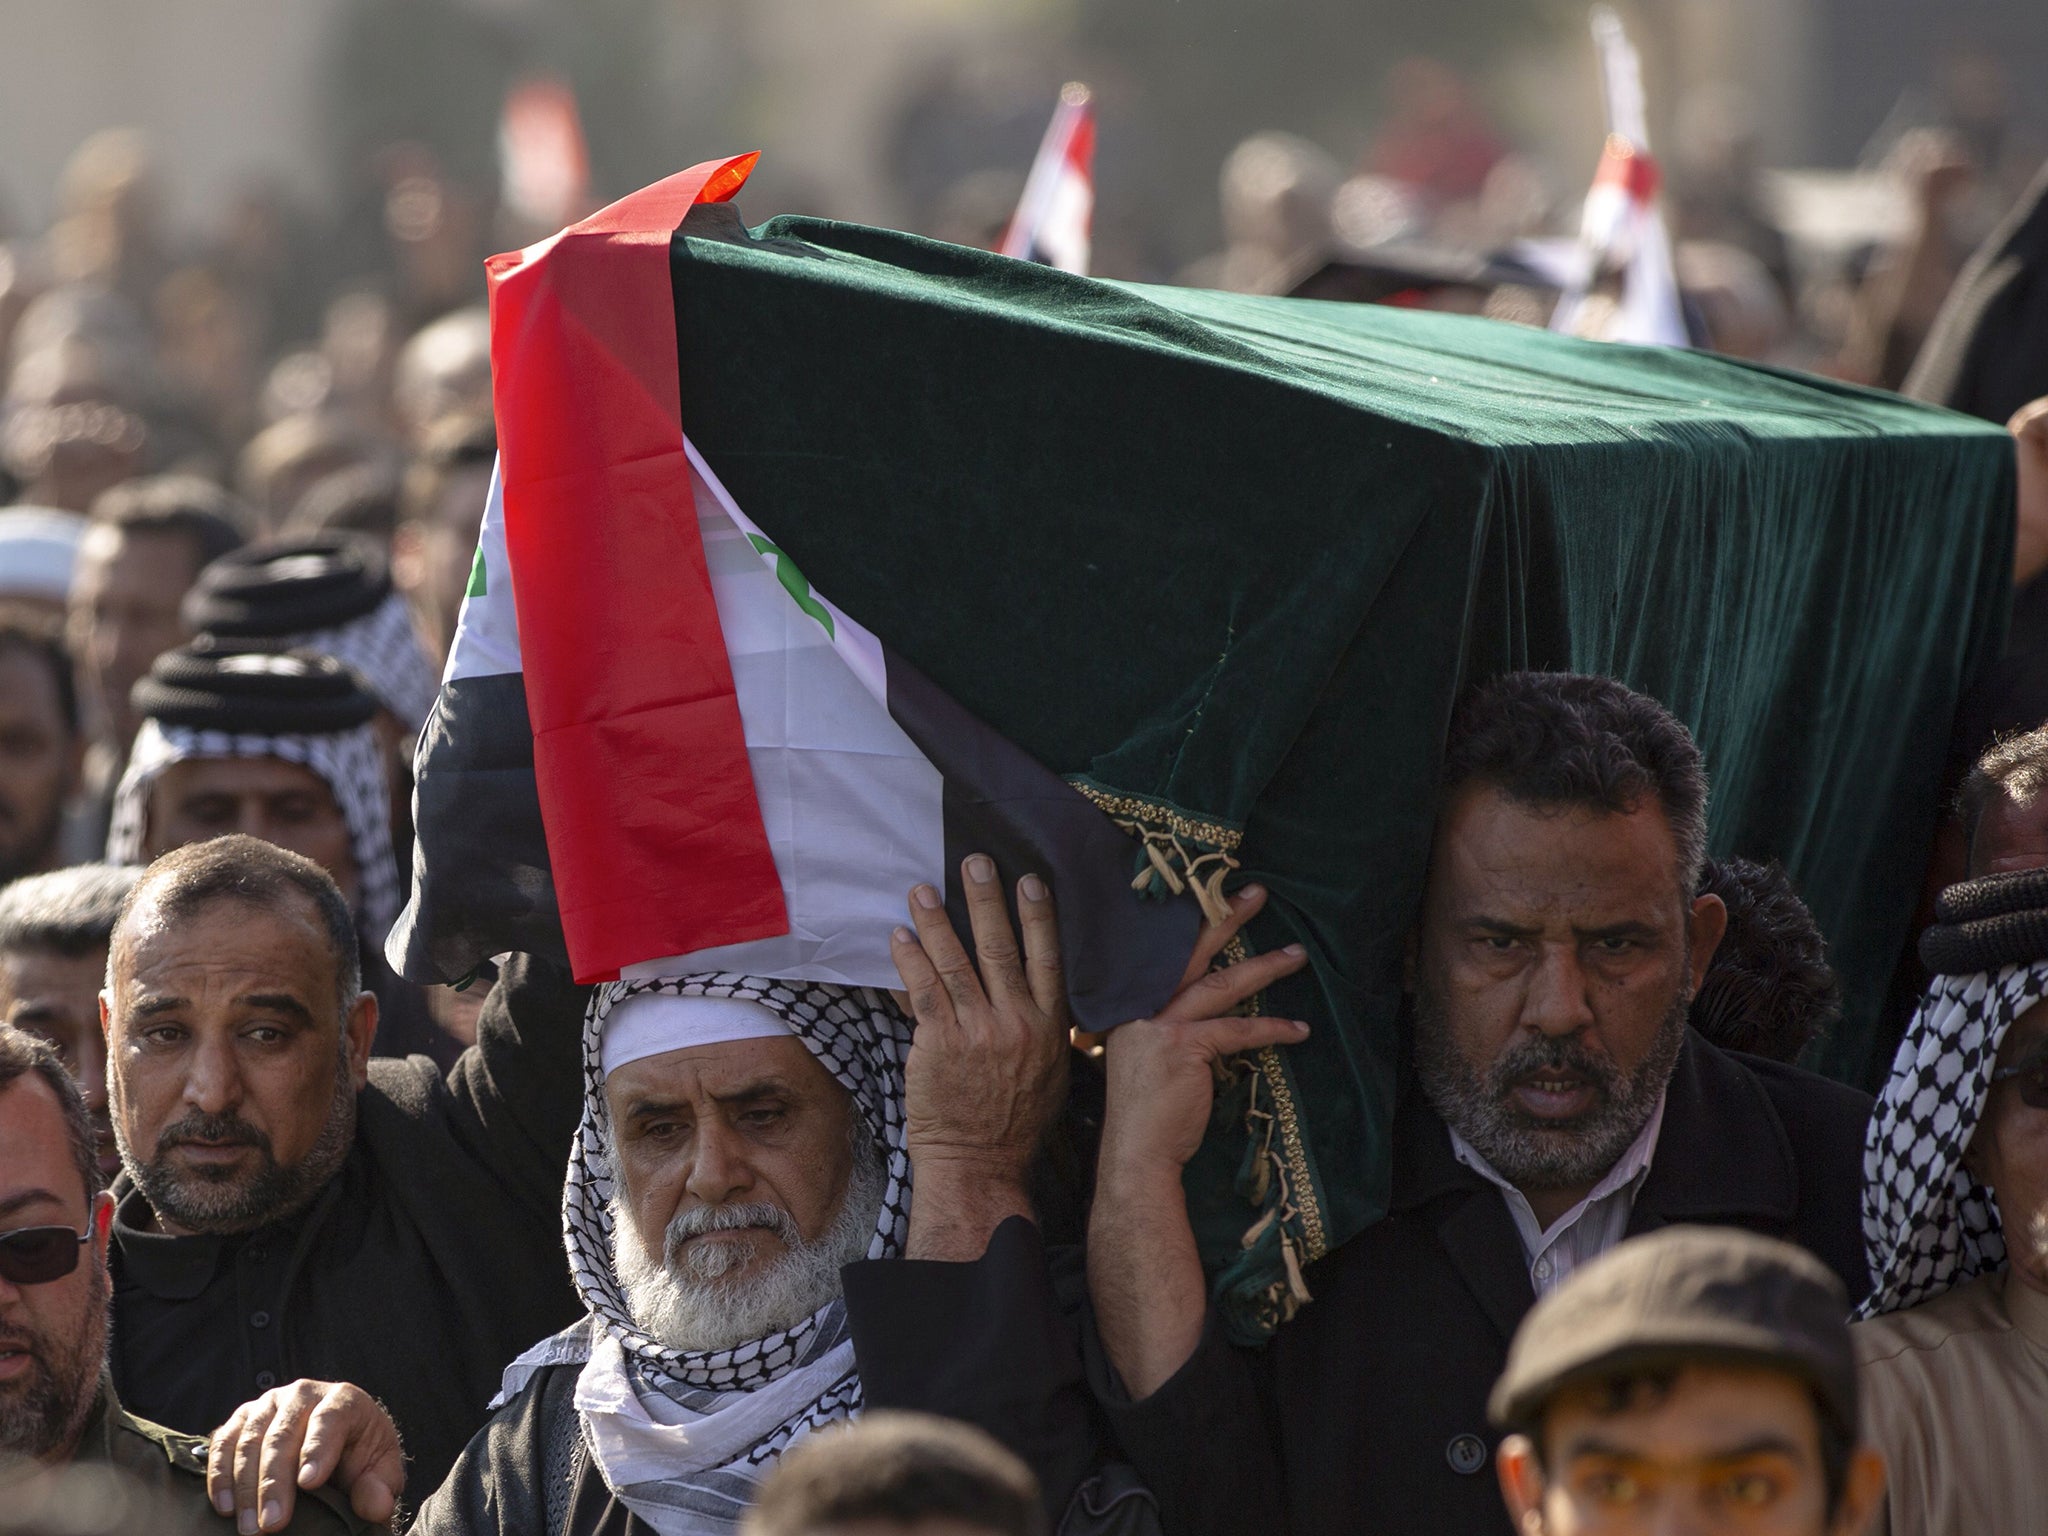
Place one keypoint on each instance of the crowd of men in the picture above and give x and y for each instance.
(289, 1241)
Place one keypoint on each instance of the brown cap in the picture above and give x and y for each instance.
(1684, 1296)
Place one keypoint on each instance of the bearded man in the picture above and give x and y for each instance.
(1953, 1345)
(741, 1229)
(57, 1407)
(291, 1207)
(1558, 1103)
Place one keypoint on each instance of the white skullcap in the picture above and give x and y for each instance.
(38, 547)
(654, 1023)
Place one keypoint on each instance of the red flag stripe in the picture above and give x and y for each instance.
(626, 669)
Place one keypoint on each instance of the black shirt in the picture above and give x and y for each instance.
(431, 1260)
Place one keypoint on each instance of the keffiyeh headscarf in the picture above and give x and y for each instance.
(347, 756)
(1928, 1225)
(329, 593)
(683, 1438)
(384, 646)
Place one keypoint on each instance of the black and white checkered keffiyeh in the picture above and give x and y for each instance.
(1927, 1224)
(384, 646)
(747, 1404)
(350, 761)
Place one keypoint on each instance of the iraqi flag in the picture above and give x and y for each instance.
(658, 747)
(1053, 217)
(1622, 223)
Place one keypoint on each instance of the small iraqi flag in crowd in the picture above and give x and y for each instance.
(655, 728)
(1053, 217)
(1622, 224)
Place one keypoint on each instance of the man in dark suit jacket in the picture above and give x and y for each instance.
(1558, 1103)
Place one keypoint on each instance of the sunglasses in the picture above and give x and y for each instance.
(2032, 1073)
(38, 1255)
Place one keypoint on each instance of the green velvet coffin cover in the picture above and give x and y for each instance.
(1226, 562)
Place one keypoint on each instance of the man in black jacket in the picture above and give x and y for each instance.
(292, 1208)
(1558, 1103)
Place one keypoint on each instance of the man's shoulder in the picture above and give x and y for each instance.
(1966, 1315)
(175, 1465)
(409, 1084)
(1812, 1107)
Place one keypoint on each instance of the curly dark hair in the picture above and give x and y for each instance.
(1568, 738)
(1769, 989)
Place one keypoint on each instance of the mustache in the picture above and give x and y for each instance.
(218, 1130)
(1533, 1058)
(30, 1344)
(729, 1218)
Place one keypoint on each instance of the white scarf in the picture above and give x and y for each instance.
(682, 1438)
(1927, 1224)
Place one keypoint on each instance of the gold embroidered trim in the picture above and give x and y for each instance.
(1153, 815)
(1296, 1151)
(1160, 831)
(1284, 1170)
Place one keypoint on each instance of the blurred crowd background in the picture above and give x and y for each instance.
(243, 239)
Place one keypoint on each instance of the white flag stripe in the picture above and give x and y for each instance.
(487, 626)
(853, 811)
(859, 649)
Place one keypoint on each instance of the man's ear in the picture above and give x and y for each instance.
(1522, 1482)
(1709, 923)
(361, 1026)
(1862, 1493)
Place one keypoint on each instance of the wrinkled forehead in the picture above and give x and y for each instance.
(224, 929)
(1490, 847)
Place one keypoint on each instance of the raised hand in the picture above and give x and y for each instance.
(1144, 1273)
(987, 1072)
(305, 1434)
(1161, 1078)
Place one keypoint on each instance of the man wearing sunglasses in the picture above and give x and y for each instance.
(56, 1404)
(1954, 1351)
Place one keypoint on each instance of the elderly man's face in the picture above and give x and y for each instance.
(1721, 1449)
(57, 996)
(1555, 959)
(745, 1177)
(2009, 1153)
(266, 797)
(234, 1071)
(125, 594)
(53, 1335)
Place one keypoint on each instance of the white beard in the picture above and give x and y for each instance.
(685, 1303)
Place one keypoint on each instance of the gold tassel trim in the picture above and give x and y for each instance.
(1166, 835)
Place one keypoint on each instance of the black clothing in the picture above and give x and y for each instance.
(992, 1342)
(249, 690)
(173, 1468)
(1987, 353)
(430, 1261)
(405, 1024)
(1367, 1412)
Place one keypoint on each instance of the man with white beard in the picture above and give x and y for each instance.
(737, 1210)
